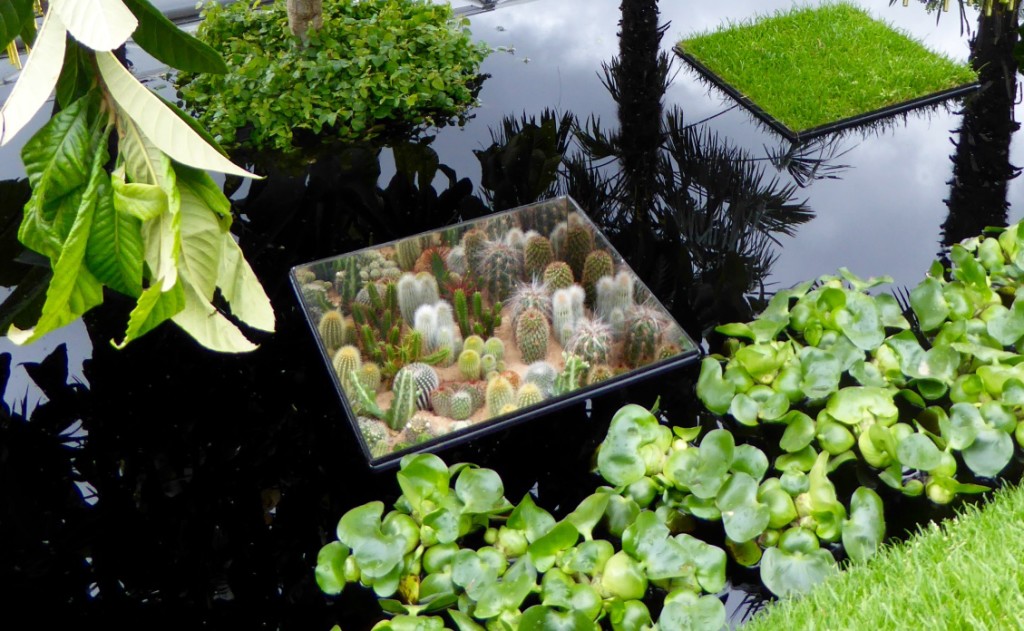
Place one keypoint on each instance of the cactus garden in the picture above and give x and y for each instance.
(441, 332)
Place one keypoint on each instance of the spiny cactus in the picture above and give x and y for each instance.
(347, 282)
(375, 435)
(529, 394)
(566, 312)
(488, 363)
(474, 342)
(597, 265)
(542, 374)
(494, 346)
(404, 404)
(667, 350)
(406, 253)
(592, 341)
(415, 290)
(579, 242)
(614, 299)
(369, 376)
(544, 217)
(426, 379)
(515, 238)
(558, 275)
(497, 227)
(499, 269)
(469, 364)
(419, 429)
(456, 261)
(314, 296)
(574, 372)
(533, 294)
(474, 242)
(432, 260)
(304, 275)
(436, 324)
(346, 362)
(374, 266)
(332, 330)
(643, 335)
(532, 330)
(376, 316)
(599, 372)
(537, 255)
(441, 400)
(499, 394)
(461, 405)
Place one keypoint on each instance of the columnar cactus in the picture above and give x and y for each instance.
(558, 275)
(369, 376)
(426, 380)
(542, 374)
(532, 331)
(436, 324)
(566, 312)
(404, 404)
(406, 253)
(643, 335)
(332, 330)
(500, 393)
(469, 364)
(597, 265)
(537, 255)
(347, 282)
(579, 242)
(592, 340)
(461, 406)
(435, 254)
(614, 300)
(529, 394)
(500, 268)
(415, 290)
(473, 242)
(515, 238)
(574, 372)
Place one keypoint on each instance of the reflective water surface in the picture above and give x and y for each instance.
(164, 483)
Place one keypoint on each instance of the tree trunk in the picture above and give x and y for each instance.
(304, 15)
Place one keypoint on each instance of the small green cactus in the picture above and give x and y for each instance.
(304, 275)
(579, 242)
(500, 393)
(533, 294)
(574, 372)
(332, 330)
(347, 282)
(426, 380)
(597, 265)
(406, 253)
(346, 360)
(667, 350)
(500, 267)
(375, 435)
(475, 343)
(532, 332)
(543, 375)
(404, 404)
(419, 429)
(488, 363)
(643, 335)
(456, 261)
(494, 346)
(441, 401)
(469, 364)
(461, 405)
(599, 372)
(558, 275)
(369, 376)
(529, 394)
(537, 255)
(473, 243)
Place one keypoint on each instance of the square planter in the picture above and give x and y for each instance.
(438, 338)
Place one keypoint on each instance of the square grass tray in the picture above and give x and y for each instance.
(809, 72)
(337, 290)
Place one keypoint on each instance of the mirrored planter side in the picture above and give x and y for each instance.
(444, 336)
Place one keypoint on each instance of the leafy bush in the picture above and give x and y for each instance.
(374, 66)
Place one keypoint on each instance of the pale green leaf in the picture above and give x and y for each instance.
(202, 238)
(37, 80)
(140, 201)
(243, 291)
(102, 25)
(153, 307)
(208, 326)
(161, 125)
(161, 38)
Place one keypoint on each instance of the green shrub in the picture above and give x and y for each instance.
(376, 67)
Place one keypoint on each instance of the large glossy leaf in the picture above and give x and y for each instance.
(330, 568)
(200, 319)
(542, 618)
(990, 452)
(161, 38)
(686, 611)
(153, 308)
(715, 392)
(115, 251)
(531, 519)
(481, 491)
(242, 290)
(860, 321)
(102, 25)
(858, 404)
(709, 560)
(929, 304)
(37, 80)
(743, 515)
(158, 123)
(792, 574)
(820, 371)
(917, 451)
(202, 234)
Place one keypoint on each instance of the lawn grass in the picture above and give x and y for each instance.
(967, 573)
(812, 66)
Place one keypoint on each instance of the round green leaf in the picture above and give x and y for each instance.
(917, 451)
(710, 561)
(860, 321)
(750, 460)
(712, 389)
(990, 452)
(688, 612)
(864, 531)
(794, 574)
(799, 433)
(330, 568)
(480, 490)
(744, 409)
(743, 516)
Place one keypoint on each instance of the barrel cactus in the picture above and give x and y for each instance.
(531, 333)
(537, 255)
(332, 330)
(499, 268)
(598, 264)
(592, 340)
(558, 275)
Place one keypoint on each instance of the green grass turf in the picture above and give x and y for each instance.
(813, 66)
(967, 573)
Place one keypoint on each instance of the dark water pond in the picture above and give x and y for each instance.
(163, 483)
